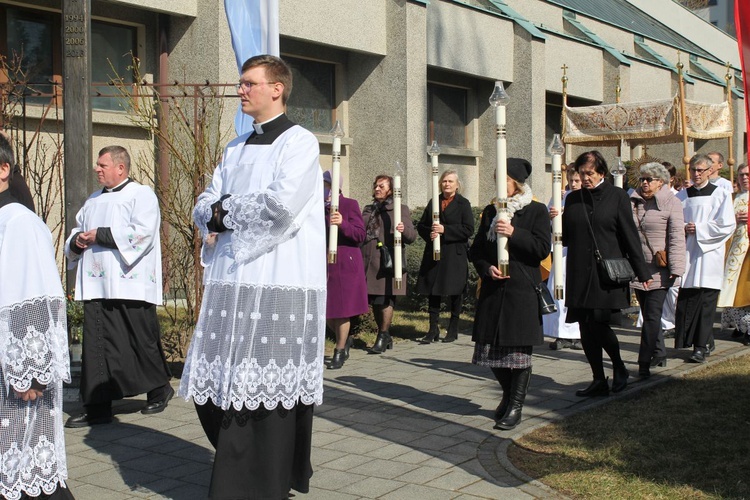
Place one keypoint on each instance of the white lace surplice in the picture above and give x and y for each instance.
(133, 270)
(33, 347)
(259, 337)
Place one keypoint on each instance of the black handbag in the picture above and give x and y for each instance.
(546, 302)
(386, 262)
(613, 272)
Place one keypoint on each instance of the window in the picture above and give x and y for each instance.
(29, 42)
(113, 47)
(32, 38)
(312, 102)
(447, 115)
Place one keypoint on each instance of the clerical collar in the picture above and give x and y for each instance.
(271, 130)
(117, 188)
(258, 127)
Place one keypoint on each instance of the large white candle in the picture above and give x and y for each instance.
(499, 99)
(333, 233)
(397, 250)
(434, 152)
(556, 150)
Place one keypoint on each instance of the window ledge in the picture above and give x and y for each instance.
(117, 118)
(470, 153)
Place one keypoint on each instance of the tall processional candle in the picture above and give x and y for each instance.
(499, 99)
(333, 233)
(556, 150)
(397, 249)
(618, 172)
(434, 152)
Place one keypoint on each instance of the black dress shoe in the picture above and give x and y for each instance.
(660, 361)
(669, 334)
(86, 420)
(644, 370)
(746, 339)
(736, 333)
(158, 406)
(596, 388)
(698, 356)
(339, 356)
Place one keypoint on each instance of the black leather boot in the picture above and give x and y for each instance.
(349, 342)
(452, 335)
(434, 333)
(620, 379)
(519, 387)
(383, 342)
(338, 359)
(503, 376)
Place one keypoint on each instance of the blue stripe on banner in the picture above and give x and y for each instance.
(254, 26)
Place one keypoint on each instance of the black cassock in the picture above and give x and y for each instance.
(122, 351)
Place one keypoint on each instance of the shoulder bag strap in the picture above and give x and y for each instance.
(640, 228)
(597, 253)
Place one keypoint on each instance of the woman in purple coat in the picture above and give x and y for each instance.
(347, 289)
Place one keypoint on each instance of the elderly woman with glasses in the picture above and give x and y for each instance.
(657, 214)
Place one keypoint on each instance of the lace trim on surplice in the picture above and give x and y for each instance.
(257, 345)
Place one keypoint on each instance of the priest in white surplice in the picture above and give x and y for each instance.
(255, 364)
(709, 222)
(117, 249)
(33, 352)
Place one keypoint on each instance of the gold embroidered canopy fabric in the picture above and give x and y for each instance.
(647, 122)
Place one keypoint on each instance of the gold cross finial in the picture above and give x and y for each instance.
(564, 78)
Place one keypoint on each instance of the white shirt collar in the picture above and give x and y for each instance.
(109, 190)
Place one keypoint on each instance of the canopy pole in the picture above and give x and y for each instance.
(683, 118)
(730, 146)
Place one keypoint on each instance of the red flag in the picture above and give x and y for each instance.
(742, 23)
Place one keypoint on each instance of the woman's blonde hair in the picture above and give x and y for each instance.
(451, 172)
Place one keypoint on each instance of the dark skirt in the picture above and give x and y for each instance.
(260, 454)
(122, 351)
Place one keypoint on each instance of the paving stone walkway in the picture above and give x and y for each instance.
(414, 423)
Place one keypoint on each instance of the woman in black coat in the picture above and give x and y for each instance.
(447, 276)
(508, 321)
(589, 298)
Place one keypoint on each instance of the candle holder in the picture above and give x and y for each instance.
(499, 100)
(434, 152)
(618, 172)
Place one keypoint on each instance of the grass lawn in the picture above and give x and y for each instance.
(408, 326)
(687, 438)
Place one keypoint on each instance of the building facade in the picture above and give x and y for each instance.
(401, 73)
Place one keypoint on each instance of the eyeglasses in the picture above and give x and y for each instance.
(743, 175)
(699, 170)
(248, 86)
(647, 179)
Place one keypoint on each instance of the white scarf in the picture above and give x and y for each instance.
(515, 203)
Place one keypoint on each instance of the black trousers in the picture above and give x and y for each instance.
(260, 454)
(597, 335)
(652, 337)
(454, 301)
